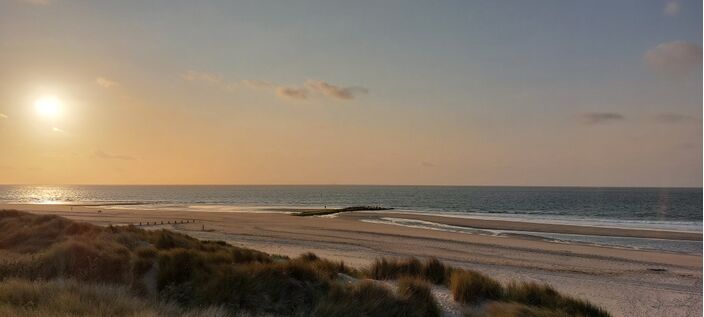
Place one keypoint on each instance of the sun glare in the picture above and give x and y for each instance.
(48, 106)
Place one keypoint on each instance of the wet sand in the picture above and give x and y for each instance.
(626, 282)
(532, 226)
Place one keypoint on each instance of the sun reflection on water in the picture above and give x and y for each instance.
(48, 195)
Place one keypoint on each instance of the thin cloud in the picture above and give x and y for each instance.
(292, 93)
(673, 118)
(3, 116)
(105, 83)
(599, 117)
(674, 58)
(672, 8)
(297, 92)
(332, 91)
(55, 129)
(103, 155)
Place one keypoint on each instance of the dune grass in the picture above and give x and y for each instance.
(516, 299)
(418, 293)
(390, 269)
(128, 271)
(538, 295)
(23, 298)
(370, 298)
(171, 267)
(507, 309)
(472, 287)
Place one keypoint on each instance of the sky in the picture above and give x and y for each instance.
(534, 93)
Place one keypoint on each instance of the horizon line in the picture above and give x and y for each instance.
(342, 184)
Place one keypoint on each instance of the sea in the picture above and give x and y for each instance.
(675, 209)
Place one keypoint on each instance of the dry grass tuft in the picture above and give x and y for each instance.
(516, 299)
(473, 287)
(505, 309)
(22, 298)
(388, 269)
(538, 295)
(418, 293)
(366, 298)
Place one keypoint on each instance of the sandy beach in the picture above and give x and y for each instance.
(626, 282)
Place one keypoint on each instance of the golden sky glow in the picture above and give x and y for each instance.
(101, 93)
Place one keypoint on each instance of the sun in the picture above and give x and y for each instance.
(48, 106)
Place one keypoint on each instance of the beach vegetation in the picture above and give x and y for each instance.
(372, 298)
(487, 298)
(78, 269)
(473, 287)
(418, 292)
(542, 295)
(390, 269)
(69, 297)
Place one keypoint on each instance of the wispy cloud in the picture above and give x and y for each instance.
(333, 91)
(674, 58)
(103, 155)
(105, 83)
(292, 93)
(297, 92)
(55, 129)
(599, 117)
(673, 118)
(672, 8)
(3, 116)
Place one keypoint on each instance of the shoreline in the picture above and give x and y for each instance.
(626, 282)
(523, 226)
(513, 222)
(553, 230)
(691, 228)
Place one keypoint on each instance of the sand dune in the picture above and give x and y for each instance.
(626, 282)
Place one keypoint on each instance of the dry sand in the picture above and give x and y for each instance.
(625, 282)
